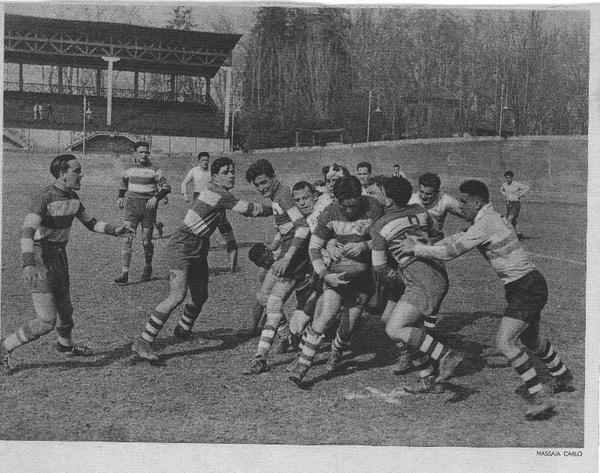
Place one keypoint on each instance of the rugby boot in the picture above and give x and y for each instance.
(403, 364)
(564, 382)
(144, 350)
(298, 373)
(74, 350)
(181, 333)
(334, 363)
(292, 366)
(123, 278)
(426, 385)
(543, 404)
(257, 365)
(448, 364)
(146, 274)
(5, 368)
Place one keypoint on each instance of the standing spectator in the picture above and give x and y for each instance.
(49, 111)
(397, 172)
(89, 114)
(512, 192)
(40, 111)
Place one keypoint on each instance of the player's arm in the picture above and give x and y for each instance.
(301, 229)
(247, 209)
(453, 246)
(503, 190)
(164, 188)
(98, 226)
(188, 178)
(523, 189)
(379, 256)
(453, 206)
(318, 240)
(32, 221)
(226, 230)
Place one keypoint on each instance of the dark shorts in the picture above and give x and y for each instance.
(300, 265)
(136, 213)
(426, 286)
(526, 297)
(513, 208)
(52, 267)
(393, 289)
(186, 250)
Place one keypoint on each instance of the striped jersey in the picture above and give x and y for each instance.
(439, 208)
(332, 223)
(321, 204)
(208, 210)
(141, 182)
(393, 228)
(495, 239)
(50, 218)
(289, 221)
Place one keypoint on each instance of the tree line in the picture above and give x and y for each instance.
(424, 73)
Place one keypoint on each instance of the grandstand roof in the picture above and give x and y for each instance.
(33, 40)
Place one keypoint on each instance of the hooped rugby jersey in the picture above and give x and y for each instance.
(332, 223)
(495, 239)
(439, 208)
(396, 225)
(207, 211)
(289, 221)
(49, 220)
(143, 182)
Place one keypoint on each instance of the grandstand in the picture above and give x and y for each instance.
(176, 100)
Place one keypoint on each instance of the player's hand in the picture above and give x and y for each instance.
(354, 249)
(406, 247)
(165, 200)
(335, 279)
(123, 230)
(151, 204)
(334, 250)
(280, 266)
(30, 276)
(120, 202)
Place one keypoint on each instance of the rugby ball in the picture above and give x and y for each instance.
(352, 269)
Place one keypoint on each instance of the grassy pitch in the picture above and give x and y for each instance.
(198, 393)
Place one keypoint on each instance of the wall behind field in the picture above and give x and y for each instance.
(555, 166)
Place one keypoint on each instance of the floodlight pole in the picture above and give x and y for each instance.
(111, 60)
(369, 116)
(84, 109)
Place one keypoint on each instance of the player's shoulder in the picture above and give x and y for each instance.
(414, 199)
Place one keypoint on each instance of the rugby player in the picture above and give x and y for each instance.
(513, 191)
(44, 238)
(142, 186)
(200, 177)
(363, 172)
(187, 253)
(291, 264)
(426, 285)
(525, 291)
(348, 220)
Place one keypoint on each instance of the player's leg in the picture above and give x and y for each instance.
(126, 250)
(258, 316)
(509, 332)
(177, 291)
(314, 335)
(280, 292)
(198, 289)
(147, 230)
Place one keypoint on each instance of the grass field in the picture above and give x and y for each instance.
(198, 393)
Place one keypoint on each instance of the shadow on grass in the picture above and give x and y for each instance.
(228, 337)
(135, 283)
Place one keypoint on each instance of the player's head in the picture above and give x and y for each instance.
(363, 172)
(397, 189)
(203, 158)
(474, 195)
(67, 171)
(142, 152)
(347, 191)
(375, 189)
(262, 175)
(429, 187)
(332, 174)
(396, 168)
(508, 176)
(222, 171)
(304, 196)
(261, 256)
